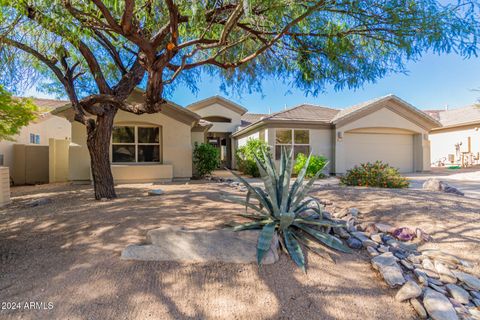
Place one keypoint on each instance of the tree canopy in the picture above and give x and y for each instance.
(96, 52)
(15, 113)
(311, 43)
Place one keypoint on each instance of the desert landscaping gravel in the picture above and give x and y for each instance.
(67, 252)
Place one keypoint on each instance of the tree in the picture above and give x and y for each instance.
(14, 114)
(99, 50)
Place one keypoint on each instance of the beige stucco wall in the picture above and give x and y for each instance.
(217, 109)
(198, 137)
(443, 141)
(30, 164)
(4, 186)
(58, 160)
(50, 127)
(381, 122)
(176, 151)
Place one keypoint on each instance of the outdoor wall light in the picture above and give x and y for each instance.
(339, 136)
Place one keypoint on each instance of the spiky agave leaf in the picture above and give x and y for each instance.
(294, 249)
(324, 238)
(239, 200)
(265, 240)
(264, 200)
(251, 225)
(313, 246)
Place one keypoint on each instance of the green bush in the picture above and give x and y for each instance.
(245, 156)
(206, 158)
(376, 174)
(317, 163)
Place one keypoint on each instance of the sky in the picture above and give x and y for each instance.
(432, 82)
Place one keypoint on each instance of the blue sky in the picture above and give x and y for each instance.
(431, 83)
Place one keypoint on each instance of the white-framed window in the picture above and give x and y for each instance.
(34, 138)
(136, 144)
(298, 139)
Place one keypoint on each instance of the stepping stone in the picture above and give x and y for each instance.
(438, 306)
(191, 246)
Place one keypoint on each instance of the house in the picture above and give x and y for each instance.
(36, 136)
(457, 141)
(158, 147)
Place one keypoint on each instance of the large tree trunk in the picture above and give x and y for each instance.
(98, 142)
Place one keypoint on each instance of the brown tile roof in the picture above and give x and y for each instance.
(465, 115)
(49, 104)
(351, 110)
(249, 118)
(305, 112)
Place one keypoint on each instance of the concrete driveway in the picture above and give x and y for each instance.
(465, 179)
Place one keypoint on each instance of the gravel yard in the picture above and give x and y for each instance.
(67, 252)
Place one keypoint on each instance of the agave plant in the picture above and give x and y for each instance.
(284, 209)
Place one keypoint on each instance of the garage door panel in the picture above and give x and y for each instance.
(394, 149)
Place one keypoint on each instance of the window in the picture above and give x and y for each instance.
(288, 138)
(34, 138)
(135, 144)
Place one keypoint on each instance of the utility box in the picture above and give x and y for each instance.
(4, 186)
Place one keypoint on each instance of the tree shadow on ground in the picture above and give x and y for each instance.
(68, 252)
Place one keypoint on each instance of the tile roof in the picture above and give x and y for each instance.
(249, 118)
(305, 112)
(49, 104)
(455, 117)
(350, 110)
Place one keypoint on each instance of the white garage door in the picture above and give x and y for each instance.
(394, 149)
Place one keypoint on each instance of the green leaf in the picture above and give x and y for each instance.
(251, 225)
(321, 223)
(294, 249)
(313, 246)
(324, 238)
(265, 240)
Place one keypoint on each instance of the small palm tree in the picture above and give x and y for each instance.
(283, 209)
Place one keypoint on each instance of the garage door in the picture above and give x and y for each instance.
(394, 149)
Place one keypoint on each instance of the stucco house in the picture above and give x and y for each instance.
(159, 147)
(457, 141)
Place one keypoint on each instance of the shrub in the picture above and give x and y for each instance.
(287, 211)
(317, 163)
(206, 158)
(245, 156)
(376, 174)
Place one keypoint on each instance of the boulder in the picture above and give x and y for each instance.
(191, 246)
(458, 293)
(409, 290)
(354, 243)
(417, 305)
(471, 281)
(432, 184)
(438, 306)
(388, 267)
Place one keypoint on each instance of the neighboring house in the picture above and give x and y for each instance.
(156, 147)
(39, 131)
(458, 139)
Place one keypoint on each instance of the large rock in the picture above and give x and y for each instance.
(388, 267)
(409, 290)
(190, 246)
(458, 293)
(417, 305)
(468, 279)
(437, 185)
(438, 306)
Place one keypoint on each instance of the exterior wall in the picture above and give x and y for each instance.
(4, 186)
(243, 140)
(383, 121)
(58, 160)
(217, 109)
(197, 137)
(176, 151)
(53, 127)
(31, 164)
(443, 141)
